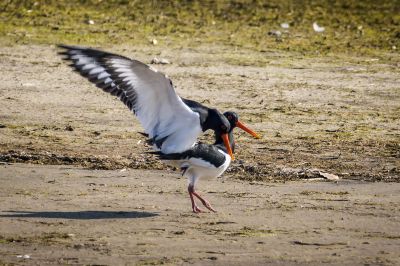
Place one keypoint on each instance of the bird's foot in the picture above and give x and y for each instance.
(206, 204)
(196, 209)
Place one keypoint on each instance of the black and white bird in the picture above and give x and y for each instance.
(205, 161)
(172, 125)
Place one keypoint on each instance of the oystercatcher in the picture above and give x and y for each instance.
(204, 160)
(150, 95)
(172, 123)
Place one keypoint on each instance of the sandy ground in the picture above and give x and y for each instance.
(68, 215)
(338, 115)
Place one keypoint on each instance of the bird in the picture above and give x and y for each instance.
(205, 160)
(172, 125)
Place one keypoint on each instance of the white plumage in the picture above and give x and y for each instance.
(148, 93)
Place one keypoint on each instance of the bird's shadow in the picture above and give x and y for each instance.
(79, 215)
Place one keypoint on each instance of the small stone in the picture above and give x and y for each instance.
(332, 129)
(154, 41)
(28, 84)
(275, 33)
(285, 25)
(69, 128)
(161, 61)
(79, 246)
(318, 28)
(164, 61)
(90, 22)
(329, 176)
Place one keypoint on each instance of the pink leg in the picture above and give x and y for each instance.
(195, 208)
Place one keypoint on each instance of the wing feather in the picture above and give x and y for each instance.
(148, 93)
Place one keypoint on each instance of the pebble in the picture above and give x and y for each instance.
(161, 61)
(275, 33)
(318, 28)
(285, 25)
(329, 176)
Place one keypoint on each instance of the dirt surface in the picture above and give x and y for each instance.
(338, 115)
(67, 215)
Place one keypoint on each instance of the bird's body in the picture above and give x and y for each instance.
(202, 161)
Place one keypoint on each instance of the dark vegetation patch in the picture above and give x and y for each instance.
(260, 169)
(360, 27)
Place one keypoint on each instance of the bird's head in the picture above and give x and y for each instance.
(217, 122)
(233, 119)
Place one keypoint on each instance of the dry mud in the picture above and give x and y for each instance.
(333, 114)
(338, 115)
(69, 215)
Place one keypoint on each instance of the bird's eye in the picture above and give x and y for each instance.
(230, 117)
(223, 128)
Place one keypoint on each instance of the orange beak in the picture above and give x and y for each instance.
(225, 138)
(248, 130)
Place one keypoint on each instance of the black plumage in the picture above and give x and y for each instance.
(206, 152)
(101, 78)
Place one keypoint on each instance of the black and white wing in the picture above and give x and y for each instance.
(149, 94)
(200, 161)
(201, 154)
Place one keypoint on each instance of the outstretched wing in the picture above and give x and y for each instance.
(147, 93)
